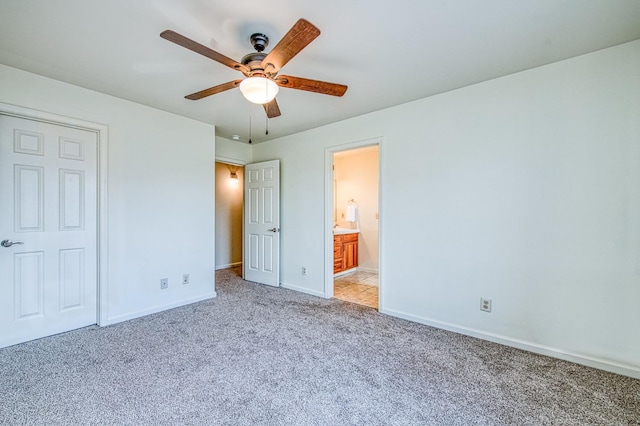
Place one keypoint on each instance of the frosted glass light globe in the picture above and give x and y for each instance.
(259, 90)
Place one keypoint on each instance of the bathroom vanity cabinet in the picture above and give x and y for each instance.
(345, 252)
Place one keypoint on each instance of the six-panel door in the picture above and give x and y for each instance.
(48, 202)
(262, 222)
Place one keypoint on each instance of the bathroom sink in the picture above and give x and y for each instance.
(341, 231)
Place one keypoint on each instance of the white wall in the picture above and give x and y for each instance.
(356, 175)
(228, 229)
(160, 193)
(233, 152)
(524, 189)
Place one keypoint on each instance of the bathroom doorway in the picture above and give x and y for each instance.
(355, 225)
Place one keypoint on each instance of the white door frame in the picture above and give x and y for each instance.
(102, 135)
(328, 215)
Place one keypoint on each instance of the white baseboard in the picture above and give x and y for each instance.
(138, 314)
(303, 290)
(356, 269)
(347, 272)
(602, 364)
(230, 265)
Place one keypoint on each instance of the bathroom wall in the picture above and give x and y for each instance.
(356, 176)
(228, 228)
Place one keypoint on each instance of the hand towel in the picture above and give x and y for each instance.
(351, 212)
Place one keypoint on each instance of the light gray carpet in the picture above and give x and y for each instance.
(260, 355)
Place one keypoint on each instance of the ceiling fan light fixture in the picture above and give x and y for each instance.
(259, 90)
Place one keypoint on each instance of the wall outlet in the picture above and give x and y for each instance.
(485, 304)
(164, 283)
(304, 270)
(185, 279)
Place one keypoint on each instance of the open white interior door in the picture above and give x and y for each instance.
(261, 262)
(48, 220)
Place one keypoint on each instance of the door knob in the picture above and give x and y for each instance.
(273, 230)
(9, 243)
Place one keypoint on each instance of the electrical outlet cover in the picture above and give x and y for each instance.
(485, 304)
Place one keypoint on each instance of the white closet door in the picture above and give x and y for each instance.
(48, 217)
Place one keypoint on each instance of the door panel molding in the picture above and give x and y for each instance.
(29, 284)
(28, 190)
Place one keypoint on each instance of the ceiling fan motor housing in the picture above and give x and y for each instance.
(259, 41)
(254, 62)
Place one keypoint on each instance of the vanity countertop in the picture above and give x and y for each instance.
(342, 231)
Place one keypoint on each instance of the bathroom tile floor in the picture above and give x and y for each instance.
(359, 287)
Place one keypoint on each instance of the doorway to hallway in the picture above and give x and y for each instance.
(229, 180)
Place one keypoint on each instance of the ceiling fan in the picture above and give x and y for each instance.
(261, 69)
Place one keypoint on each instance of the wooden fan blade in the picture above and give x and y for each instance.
(298, 37)
(213, 90)
(185, 42)
(309, 85)
(272, 109)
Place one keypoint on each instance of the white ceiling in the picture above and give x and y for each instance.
(388, 53)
